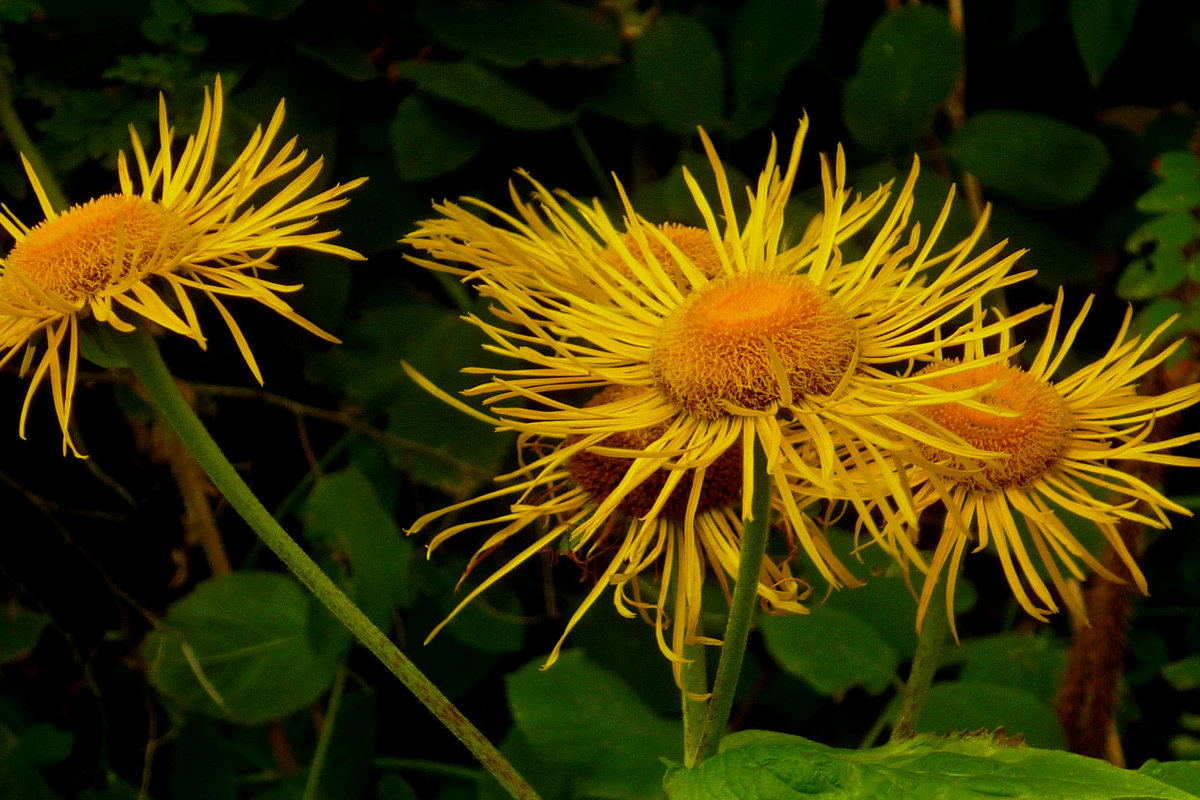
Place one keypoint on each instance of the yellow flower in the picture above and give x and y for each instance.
(1064, 444)
(695, 532)
(141, 253)
(706, 342)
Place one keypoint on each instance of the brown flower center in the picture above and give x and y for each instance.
(600, 474)
(741, 339)
(94, 245)
(1033, 439)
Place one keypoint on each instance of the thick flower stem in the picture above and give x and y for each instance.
(935, 632)
(694, 678)
(741, 608)
(140, 352)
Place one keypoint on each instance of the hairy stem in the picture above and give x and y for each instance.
(935, 632)
(140, 352)
(741, 608)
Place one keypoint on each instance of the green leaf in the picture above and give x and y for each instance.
(1058, 259)
(436, 443)
(769, 38)
(1035, 159)
(1173, 194)
(681, 73)
(474, 86)
(1171, 229)
(968, 705)
(343, 55)
(23, 752)
(670, 199)
(832, 649)
(344, 513)
(579, 714)
(1101, 29)
(200, 766)
(42, 744)
(1183, 675)
(1180, 774)
(907, 67)
(20, 629)
(262, 645)
(1030, 663)
(615, 93)
(514, 33)
(1152, 276)
(757, 765)
(428, 141)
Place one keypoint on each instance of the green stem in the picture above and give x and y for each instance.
(14, 129)
(935, 631)
(141, 353)
(603, 179)
(313, 785)
(741, 609)
(695, 683)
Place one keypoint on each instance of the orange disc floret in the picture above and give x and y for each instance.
(695, 243)
(600, 474)
(93, 246)
(1030, 436)
(752, 340)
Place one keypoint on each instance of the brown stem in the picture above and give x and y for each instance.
(1088, 695)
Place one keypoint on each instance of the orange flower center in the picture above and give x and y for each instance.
(743, 339)
(1033, 439)
(91, 246)
(693, 242)
(599, 474)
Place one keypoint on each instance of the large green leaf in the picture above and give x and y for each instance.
(681, 73)
(514, 33)
(1033, 663)
(579, 714)
(428, 141)
(1101, 28)
(1035, 159)
(345, 514)
(474, 86)
(246, 646)
(1058, 259)
(971, 705)
(757, 765)
(769, 38)
(907, 67)
(833, 649)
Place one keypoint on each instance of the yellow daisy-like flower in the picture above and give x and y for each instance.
(709, 342)
(1064, 444)
(695, 530)
(144, 251)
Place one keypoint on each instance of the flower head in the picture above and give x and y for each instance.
(692, 346)
(142, 253)
(1069, 450)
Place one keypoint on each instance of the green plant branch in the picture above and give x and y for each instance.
(14, 129)
(140, 352)
(741, 609)
(935, 631)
